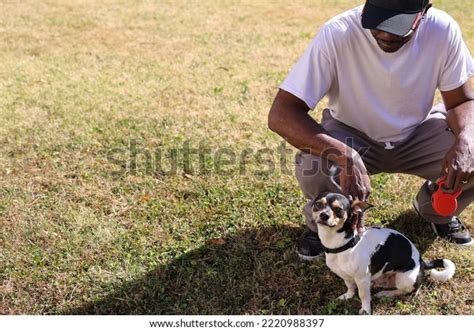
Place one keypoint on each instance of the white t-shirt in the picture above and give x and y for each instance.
(384, 95)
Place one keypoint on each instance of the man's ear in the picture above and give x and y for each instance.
(358, 206)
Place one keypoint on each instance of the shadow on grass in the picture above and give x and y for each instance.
(252, 272)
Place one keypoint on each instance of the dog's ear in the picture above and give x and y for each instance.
(319, 197)
(359, 206)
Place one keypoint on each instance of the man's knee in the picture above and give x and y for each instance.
(315, 175)
(423, 202)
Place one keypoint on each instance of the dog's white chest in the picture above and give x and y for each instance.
(340, 264)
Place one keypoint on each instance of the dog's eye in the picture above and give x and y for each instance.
(318, 205)
(339, 212)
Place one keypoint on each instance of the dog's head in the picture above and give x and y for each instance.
(334, 210)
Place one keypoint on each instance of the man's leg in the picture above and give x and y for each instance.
(425, 208)
(422, 155)
(317, 175)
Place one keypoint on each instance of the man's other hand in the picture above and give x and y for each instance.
(458, 163)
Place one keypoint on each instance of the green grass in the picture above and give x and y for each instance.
(82, 81)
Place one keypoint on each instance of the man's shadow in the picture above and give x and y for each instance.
(255, 271)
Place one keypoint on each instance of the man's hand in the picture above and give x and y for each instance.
(458, 163)
(355, 182)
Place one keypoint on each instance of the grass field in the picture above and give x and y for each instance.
(95, 94)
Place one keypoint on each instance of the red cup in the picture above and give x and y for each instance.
(444, 203)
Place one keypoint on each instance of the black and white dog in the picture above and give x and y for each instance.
(379, 258)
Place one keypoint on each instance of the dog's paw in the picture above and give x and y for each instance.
(381, 294)
(362, 311)
(342, 297)
(345, 296)
(384, 294)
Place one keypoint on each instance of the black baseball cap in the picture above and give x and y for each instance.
(393, 16)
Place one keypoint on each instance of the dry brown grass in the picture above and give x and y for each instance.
(80, 78)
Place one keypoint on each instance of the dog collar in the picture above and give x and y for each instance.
(351, 243)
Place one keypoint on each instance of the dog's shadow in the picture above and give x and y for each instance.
(255, 271)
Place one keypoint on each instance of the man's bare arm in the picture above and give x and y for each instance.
(459, 103)
(290, 119)
(459, 161)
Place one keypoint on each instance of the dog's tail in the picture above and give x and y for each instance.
(441, 276)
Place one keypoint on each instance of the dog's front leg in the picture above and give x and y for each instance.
(363, 284)
(351, 288)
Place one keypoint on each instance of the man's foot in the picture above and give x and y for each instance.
(454, 231)
(308, 246)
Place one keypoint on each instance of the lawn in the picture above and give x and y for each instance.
(138, 174)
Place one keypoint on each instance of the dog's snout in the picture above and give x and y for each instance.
(324, 216)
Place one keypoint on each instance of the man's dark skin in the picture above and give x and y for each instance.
(388, 42)
(290, 119)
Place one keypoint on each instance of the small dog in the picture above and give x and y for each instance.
(381, 258)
